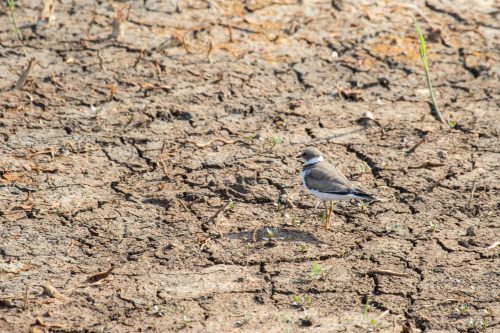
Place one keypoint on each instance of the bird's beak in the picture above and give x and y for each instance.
(299, 156)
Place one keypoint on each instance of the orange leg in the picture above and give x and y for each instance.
(327, 217)
(330, 214)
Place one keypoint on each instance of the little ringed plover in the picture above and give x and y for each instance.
(327, 183)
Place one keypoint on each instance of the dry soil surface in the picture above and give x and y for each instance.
(149, 180)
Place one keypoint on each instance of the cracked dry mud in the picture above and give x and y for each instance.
(120, 156)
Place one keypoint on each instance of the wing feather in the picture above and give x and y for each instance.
(328, 179)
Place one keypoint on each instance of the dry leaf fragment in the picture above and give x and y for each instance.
(45, 15)
(492, 246)
(117, 29)
(121, 16)
(37, 329)
(40, 322)
(99, 276)
(51, 291)
(15, 267)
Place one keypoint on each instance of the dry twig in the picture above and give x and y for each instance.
(138, 59)
(185, 44)
(24, 76)
(164, 168)
(415, 146)
(210, 49)
(220, 210)
(43, 323)
(187, 208)
(382, 315)
(101, 61)
(426, 165)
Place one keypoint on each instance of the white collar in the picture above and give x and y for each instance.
(314, 160)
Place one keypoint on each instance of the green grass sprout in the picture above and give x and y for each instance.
(185, 321)
(10, 4)
(96, 110)
(365, 310)
(463, 309)
(303, 302)
(323, 216)
(361, 168)
(316, 270)
(363, 205)
(271, 234)
(425, 64)
(276, 140)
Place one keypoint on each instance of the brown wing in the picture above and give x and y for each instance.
(326, 178)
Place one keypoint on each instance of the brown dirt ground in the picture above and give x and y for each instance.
(138, 182)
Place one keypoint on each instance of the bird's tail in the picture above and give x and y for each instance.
(363, 195)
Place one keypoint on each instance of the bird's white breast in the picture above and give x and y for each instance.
(303, 177)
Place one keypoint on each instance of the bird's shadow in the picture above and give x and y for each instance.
(272, 234)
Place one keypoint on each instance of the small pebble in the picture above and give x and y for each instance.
(442, 154)
(367, 119)
(471, 231)
(368, 115)
(305, 322)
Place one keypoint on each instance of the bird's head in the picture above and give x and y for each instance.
(311, 155)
